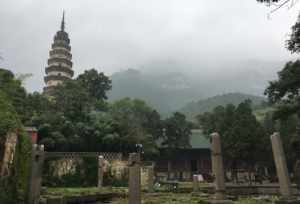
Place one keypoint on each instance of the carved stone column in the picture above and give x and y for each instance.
(218, 170)
(36, 170)
(134, 178)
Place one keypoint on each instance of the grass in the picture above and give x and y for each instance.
(165, 198)
(157, 198)
(51, 192)
(180, 198)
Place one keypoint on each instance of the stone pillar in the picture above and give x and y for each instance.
(134, 179)
(195, 184)
(100, 170)
(150, 182)
(266, 171)
(36, 170)
(169, 169)
(7, 151)
(218, 170)
(281, 167)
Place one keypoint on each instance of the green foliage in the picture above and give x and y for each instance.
(284, 94)
(136, 122)
(11, 102)
(193, 109)
(243, 136)
(9, 120)
(35, 104)
(71, 120)
(284, 91)
(13, 90)
(72, 100)
(177, 131)
(293, 44)
(96, 84)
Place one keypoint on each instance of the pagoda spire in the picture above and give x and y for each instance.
(62, 27)
(59, 64)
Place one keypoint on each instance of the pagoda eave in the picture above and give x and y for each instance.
(56, 78)
(59, 69)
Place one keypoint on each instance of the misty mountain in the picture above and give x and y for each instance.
(165, 92)
(206, 105)
(168, 87)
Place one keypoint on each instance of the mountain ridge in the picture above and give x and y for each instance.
(206, 105)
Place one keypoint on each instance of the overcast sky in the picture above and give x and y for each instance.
(112, 35)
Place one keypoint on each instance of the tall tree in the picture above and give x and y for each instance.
(284, 92)
(96, 85)
(72, 100)
(177, 131)
(136, 123)
(243, 136)
(14, 91)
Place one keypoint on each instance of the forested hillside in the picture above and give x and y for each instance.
(194, 108)
(169, 86)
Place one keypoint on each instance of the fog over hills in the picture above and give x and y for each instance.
(193, 109)
(167, 86)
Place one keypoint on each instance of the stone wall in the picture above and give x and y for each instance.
(64, 166)
(7, 155)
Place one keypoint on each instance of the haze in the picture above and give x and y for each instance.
(201, 37)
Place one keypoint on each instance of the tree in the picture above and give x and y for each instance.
(284, 92)
(14, 91)
(136, 123)
(72, 100)
(9, 120)
(244, 140)
(96, 85)
(72, 118)
(293, 44)
(177, 131)
(219, 120)
(274, 2)
(242, 135)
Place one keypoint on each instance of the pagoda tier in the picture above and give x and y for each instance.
(60, 64)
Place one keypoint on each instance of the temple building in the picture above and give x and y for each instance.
(60, 63)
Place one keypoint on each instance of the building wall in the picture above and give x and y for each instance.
(183, 164)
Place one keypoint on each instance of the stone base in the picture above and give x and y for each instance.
(220, 201)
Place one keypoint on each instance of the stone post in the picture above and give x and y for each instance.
(100, 171)
(169, 169)
(281, 167)
(36, 170)
(9, 149)
(150, 179)
(218, 170)
(134, 179)
(195, 184)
